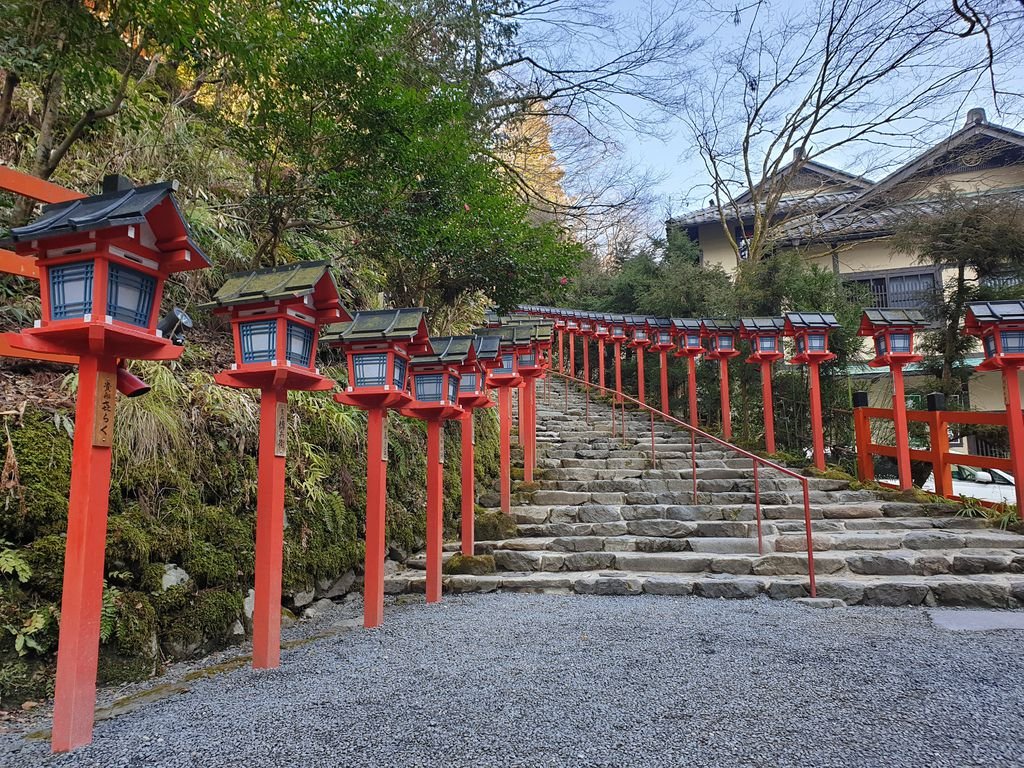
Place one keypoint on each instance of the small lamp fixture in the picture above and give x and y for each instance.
(892, 332)
(810, 335)
(1000, 326)
(722, 336)
(765, 337)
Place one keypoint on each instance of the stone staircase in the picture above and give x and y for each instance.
(601, 520)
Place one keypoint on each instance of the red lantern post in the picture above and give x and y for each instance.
(602, 331)
(618, 335)
(1000, 325)
(561, 323)
(473, 395)
(722, 335)
(688, 344)
(639, 341)
(572, 327)
(810, 333)
(377, 345)
(276, 315)
(102, 263)
(660, 330)
(435, 389)
(587, 328)
(893, 337)
(533, 363)
(765, 337)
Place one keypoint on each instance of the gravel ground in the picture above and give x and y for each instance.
(551, 680)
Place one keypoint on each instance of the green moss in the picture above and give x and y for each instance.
(475, 565)
(494, 525)
(208, 565)
(45, 556)
(24, 678)
(39, 504)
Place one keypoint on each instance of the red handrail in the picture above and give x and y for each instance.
(694, 432)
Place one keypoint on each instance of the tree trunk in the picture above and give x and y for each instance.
(41, 160)
(949, 352)
(7, 97)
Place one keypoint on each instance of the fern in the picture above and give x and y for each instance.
(12, 563)
(108, 613)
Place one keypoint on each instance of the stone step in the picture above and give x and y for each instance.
(743, 484)
(725, 499)
(986, 590)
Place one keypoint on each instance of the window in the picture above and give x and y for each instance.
(300, 344)
(130, 295)
(71, 290)
(664, 338)
(990, 345)
(371, 369)
(816, 342)
(801, 344)
(1013, 342)
(899, 290)
(881, 348)
(766, 343)
(453, 388)
(640, 335)
(468, 383)
(506, 365)
(725, 341)
(429, 387)
(617, 331)
(693, 340)
(259, 341)
(900, 342)
(527, 360)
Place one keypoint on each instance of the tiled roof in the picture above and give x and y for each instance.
(802, 320)
(719, 324)
(447, 349)
(486, 346)
(787, 205)
(901, 317)
(379, 325)
(285, 282)
(686, 323)
(996, 311)
(762, 324)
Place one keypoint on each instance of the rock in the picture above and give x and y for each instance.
(662, 585)
(577, 544)
(932, 540)
(850, 592)
(173, 576)
(490, 500)
(560, 497)
(663, 528)
(516, 561)
(730, 589)
(970, 564)
(470, 565)
(609, 585)
(798, 542)
(249, 604)
(820, 602)
(880, 564)
(341, 585)
(786, 590)
(596, 513)
(465, 583)
(930, 565)
(735, 565)
(318, 609)
(895, 594)
(589, 561)
(305, 597)
(780, 565)
(972, 594)
(237, 631)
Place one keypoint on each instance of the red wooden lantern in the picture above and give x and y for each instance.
(532, 366)
(722, 336)
(893, 336)
(810, 332)
(102, 263)
(660, 329)
(639, 340)
(588, 326)
(688, 334)
(617, 334)
(275, 317)
(765, 337)
(1000, 325)
(602, 331)
(434, 384)
(377, 345)
(561, 326)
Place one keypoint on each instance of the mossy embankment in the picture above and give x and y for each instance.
(180, 538)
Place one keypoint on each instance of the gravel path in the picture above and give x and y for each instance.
(550, 680)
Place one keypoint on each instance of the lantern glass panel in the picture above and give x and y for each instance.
(453, 388)
(130, 295)
(371, 369)
(816, 342)
(1013, 342)
(259, 341)
(573, 325)
(71, 290)
(398, 379)
(506, 365)
(990, 345)
(801, 344)
(693, 340)
(640, 335)
(900, 342)
(528, 359)
(602, 329)
(300, 344)
(881, 348)
(617, 331)
(725, 341)
(429, 387)
(664, 338)
(766, 343)
(468, 383)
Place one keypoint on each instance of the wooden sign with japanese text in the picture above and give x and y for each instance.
(106, 403)
(281, 430)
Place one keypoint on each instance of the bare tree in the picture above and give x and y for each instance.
(785, 87)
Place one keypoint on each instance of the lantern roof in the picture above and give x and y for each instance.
(543, 330)
(814, 321)
(408, 324)
(290, 281)
(514, 335)
(984, 313)
(487, 347)
(121, 204)
(659, 322)
(876, 319)
(713, 325)
(448, 349)
(685, 324)
(635, 320)
(751, 326)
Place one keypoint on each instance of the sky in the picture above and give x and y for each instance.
(682, 179)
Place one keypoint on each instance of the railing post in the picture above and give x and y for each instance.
(938, 440)
(757, 511)
(664, 381)
(468, 482)
(640, 375)
(654, 457)
(586, 389)
(899, 420)
(691, 365)
(817, 425)
(572, 354)
(769, 406)
(600, 362)
(693, 462)
(1015, 427)
(862, 433)
(618, 371)
(586, 360)
(561, 351)
(723, 376)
